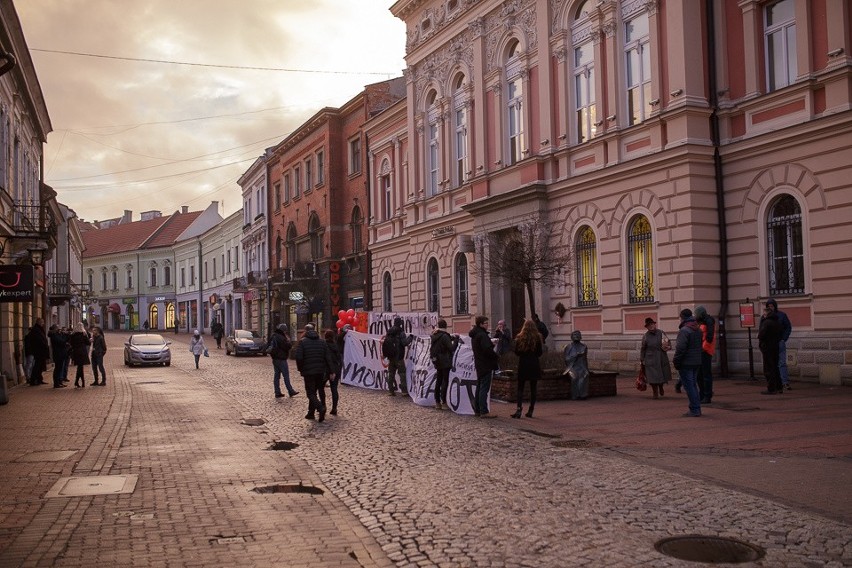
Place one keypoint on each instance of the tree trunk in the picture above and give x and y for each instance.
(528, 286)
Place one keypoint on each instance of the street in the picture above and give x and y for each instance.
(387, 483)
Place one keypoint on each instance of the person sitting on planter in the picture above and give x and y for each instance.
(577, 366)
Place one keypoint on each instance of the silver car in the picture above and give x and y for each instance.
(245, 342)
(147, 349)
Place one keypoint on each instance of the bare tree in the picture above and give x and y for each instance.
(525, 255)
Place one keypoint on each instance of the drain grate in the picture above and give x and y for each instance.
(291, 488)
(709, 549)
(575, 444)
(253, 421)
(283, 446)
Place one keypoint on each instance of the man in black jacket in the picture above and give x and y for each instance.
(279, 349)
(59, 351)
(314, 361)
(441, 352)
(485, 360)
(36, 345)
(393, 348)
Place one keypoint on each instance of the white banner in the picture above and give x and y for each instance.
(418, 323)
(363, 366)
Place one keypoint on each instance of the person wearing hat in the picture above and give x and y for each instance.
(687, 359)
(279, 349)
(315, 363)
(196, 346)
(658, 370)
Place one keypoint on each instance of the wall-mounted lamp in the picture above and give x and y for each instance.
(835, 52)
(676, 92)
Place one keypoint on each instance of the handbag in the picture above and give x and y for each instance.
(641, 383)
(206, 354)
(666, 344)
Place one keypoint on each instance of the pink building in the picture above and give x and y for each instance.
(684, 153)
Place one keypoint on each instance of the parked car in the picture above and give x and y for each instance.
(245, 342)
(147, 349)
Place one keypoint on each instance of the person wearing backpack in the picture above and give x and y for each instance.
(441, 354)
(393, 349)
(279, 349)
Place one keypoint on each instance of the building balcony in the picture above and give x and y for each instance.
(256, 278)
(32, 219)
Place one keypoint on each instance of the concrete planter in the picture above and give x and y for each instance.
(552, 386)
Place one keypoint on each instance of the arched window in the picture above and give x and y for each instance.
(786, 250)
(640, 262)
(387, 293)
(583, 62)
(433, 286)
(291, 246)
(278, 251)
(460, 141)
(386, 188)
(152, 278)
(585, 251)
(433, 156)
(153, 317)
(316, 237)
(357, 228)
(462, 293)
(514, 103)
(167, 276)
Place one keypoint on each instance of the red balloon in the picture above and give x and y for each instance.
(340, 324)
(353, 320)
(350, 312)
(341, 313)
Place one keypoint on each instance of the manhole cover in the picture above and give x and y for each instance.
(709, 549)
(283, 446)
(93, 485)
(293, 488)
(254, 421)
(575, 444)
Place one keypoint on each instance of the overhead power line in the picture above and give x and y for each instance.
(242, 67)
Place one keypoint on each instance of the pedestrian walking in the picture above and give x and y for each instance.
(79, 342)
(279, 349)
(59, 353)
(36, 345)
(313, 359)
(653, 356)
(577, 366)
(197, 347)
(485, 361)
(529, 345)
(330, 337)
(393, 349)
(769, 336)
(786, 331)
(335, 383)
(217, 330)
(441, 350)
(707, 325)
(687, 359)
(99, 349)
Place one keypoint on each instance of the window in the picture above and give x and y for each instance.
(153, 276)
(309, 175)
(206, 272)
(461, 284)
(357, 227)
(584, 91)
(585, 251)
(316, 237)
(278, 251)
(259, 201)
(114, 280)
(433, 286)
(786, 250)
(320, 168)
(780, 37)
(229, 261)
(103, 281)
(355, 156)
(192, 275)
(433, 170)
(291, 245)
(387, 292)
(637, 54)
(514, 104)
(224, 265)
(183, 277)
(167, 276)
(236, 258)
(287, 187)
(297, 182)
(387, 197)
(247, 212)
(214, 269)
(640, 270)
(460, 125)
(91, 287)
(277, 196)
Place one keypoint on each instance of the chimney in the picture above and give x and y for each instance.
(184, 208)
(128, 216)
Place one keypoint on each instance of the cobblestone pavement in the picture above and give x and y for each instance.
(406, 486)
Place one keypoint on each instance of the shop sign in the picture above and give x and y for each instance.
(16, 283)
(159, 298)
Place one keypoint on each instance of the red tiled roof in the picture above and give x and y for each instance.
(153, 233)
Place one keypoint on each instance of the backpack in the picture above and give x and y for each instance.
(434, 350)
(390, 347)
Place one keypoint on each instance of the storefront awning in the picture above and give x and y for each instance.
(114, 308)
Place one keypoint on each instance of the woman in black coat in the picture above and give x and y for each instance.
(528, 348)
(79, 342)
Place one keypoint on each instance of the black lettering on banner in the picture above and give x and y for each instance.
(365, 376)
(455, 392)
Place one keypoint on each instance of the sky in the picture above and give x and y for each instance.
(135, 127)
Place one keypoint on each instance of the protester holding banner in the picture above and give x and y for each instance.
(393, 349)
(485, 359)
(529, 345)
(441, 351)
(315, 363)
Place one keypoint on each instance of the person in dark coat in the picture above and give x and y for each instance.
(217, 330)
(59, 352)
(279, 349)
(503, 335)
(393, 348)
(441, 350)
(37, 346)
(769, 336)
(315, 363)
(541, 327)
(79, 342)
(658, 370)
(786, 330)
(333, 377)
(99, 350)
(485, 360)
(687, 359)
(529, 346)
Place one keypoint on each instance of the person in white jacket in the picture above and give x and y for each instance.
(196, 346)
